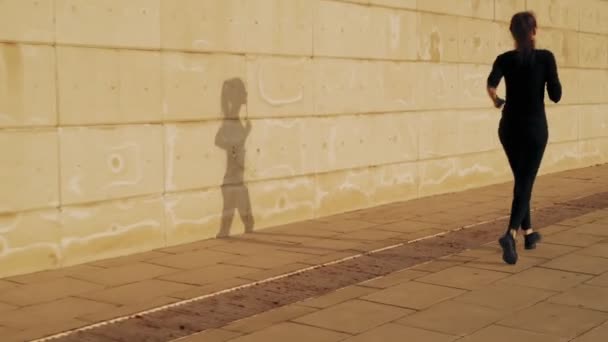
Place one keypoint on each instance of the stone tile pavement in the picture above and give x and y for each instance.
(558, 292)
(555, 293)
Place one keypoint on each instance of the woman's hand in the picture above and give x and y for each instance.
(498, 102)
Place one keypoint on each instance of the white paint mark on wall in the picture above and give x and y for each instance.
(36, 121)
(277, 101)
(183, 63)
(134, 151)
(125, 204)
(282, 170)
(165, 107)
(172, 216)
(405, 102)
(200, 43)
(6, 117)
(8, 250)
(11, 225)
(171, 137)
(331, 145)
(74, 185)
(79, 214)
(288, 185)
(115, 163)
(52, 216)
(352, 80)
(474, 169)
(395, 30)
(282, 123)
(116, 231)
(450, 169)
(279, 209)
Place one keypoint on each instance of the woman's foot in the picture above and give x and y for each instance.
(509, 253)
(530, 240)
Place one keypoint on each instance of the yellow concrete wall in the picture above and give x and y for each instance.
(110, 111)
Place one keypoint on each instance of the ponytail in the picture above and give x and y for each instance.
(523, 29)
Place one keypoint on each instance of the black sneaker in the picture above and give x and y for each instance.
(531, 239)
(509, 254)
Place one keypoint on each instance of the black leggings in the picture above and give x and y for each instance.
(524, 142)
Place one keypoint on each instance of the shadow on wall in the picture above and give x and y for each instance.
(231, 138)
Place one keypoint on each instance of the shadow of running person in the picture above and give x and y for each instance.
(231, 138)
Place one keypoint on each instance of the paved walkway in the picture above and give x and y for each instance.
(557, 291)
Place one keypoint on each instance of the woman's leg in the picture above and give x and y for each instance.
(514, 154)
(531, 157)
(512, 150)
(526, 224)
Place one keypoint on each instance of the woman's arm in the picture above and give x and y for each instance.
(554, 87)
(493, 82)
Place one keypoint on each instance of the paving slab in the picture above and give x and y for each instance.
(354, 316)
(398, 333)
(504, 297)
(550, 251)
(211, 335)
(584, 296)
(436, 265)
(595, 229)
(293, 333)
(337, 297)
(497, 333)
(47, 291)
(193, 259)
(413, 295)
(597, 250)
(125, 309)
(266, 319)
(463, 277)
(601, 280)
(597, 334)
(136, 292)
(573, 238)
(495, 263)
(208, 275)
(43, 327)
(125, 274)
(453, 318)
(556, 319)
(393, 279)
(579, 264)
(70, 307)
(544, 278)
